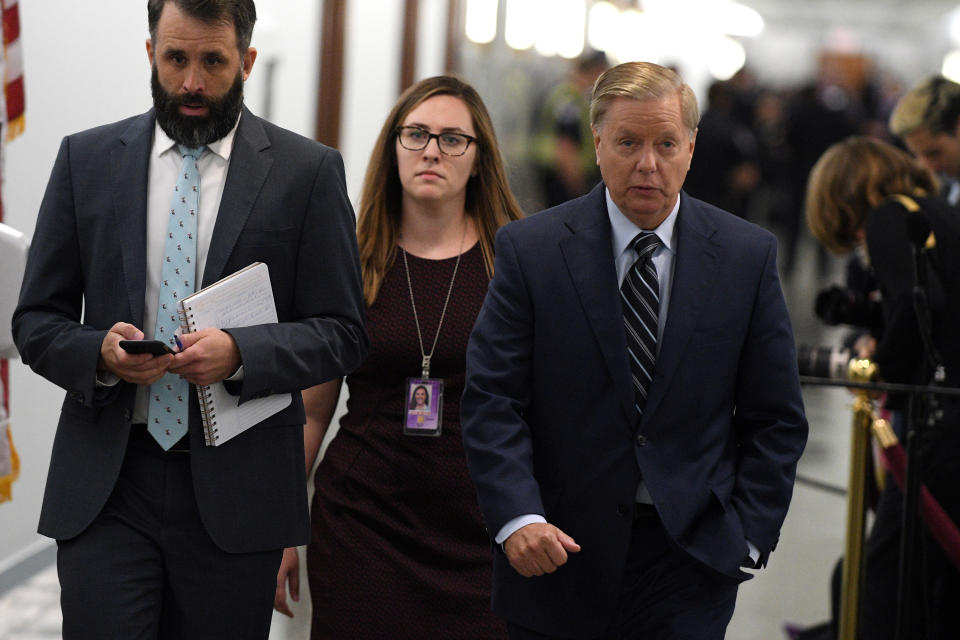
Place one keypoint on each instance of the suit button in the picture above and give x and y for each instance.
(641, 441)
(621, 510)
(76, 395)
(126, 415)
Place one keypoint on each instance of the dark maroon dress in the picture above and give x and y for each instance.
(399, 549)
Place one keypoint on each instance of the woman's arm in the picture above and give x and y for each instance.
(319, 403)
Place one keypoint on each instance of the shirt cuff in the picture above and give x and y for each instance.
(237, 375)
(519, 522)
(107, 379)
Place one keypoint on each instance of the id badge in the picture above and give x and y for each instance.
(424, 403)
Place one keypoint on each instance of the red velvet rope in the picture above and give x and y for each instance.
(941, 527)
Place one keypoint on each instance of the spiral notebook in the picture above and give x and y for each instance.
(242, 299)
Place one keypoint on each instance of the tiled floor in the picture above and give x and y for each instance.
(793, 588)
(32, 610)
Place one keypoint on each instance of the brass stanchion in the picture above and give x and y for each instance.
(852, 578)
(861, 374)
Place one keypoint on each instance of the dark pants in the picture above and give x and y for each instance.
(146, 568)
(665, 594)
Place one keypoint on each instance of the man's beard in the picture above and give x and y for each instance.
(196, 131)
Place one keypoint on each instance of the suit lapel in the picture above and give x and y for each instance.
(695, 271)
(248, 170)
(589, 256)
(129, 162)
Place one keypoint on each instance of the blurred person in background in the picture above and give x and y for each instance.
(861, 193)
(399, 549)
(724, 171)
(927, 119)
(563, 145)
(774, 203)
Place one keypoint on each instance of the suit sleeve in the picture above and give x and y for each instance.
(326, 338)
(47, 326)
(769, 420)
(497, 439)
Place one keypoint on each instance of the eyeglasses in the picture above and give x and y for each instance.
(450, 144)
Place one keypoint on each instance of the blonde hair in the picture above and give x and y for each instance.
(933, 104)
(489, 200)
(851, 178)
(642, 81)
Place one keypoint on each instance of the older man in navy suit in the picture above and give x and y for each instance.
(159, 535)
(632, 414)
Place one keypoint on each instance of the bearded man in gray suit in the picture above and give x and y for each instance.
(159, 535)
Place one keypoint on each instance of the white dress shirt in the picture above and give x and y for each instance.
(165, 161)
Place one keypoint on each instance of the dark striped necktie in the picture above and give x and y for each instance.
(640, 294)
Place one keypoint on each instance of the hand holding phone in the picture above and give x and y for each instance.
(153, 347)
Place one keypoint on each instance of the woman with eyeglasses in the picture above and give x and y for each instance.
(399, 549)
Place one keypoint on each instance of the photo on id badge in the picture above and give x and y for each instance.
(424, 407)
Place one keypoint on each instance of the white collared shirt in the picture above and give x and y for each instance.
(165, 161)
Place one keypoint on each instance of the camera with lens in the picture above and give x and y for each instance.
(840, 305)
(823, 362)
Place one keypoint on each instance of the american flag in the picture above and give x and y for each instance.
(12, 120)
(9, 462)
(13, 111)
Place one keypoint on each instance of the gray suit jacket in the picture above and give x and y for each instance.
(284, 203)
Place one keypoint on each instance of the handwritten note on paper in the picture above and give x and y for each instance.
(255, 307)
(242, 299)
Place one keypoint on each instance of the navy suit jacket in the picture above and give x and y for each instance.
(548, 420)
(284, 203)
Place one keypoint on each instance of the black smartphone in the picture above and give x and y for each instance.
(153, 347)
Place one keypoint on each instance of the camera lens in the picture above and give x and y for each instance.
(823, 362)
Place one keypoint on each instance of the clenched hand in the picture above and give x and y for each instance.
(538, 548)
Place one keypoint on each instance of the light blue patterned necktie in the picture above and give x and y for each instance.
(170, 395)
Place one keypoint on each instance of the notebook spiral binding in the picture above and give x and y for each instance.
(204, 394)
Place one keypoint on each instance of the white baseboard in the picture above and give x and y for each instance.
(32, 549)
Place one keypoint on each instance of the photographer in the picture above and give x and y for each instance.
(865, 193)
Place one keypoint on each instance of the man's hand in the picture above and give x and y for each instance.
(138, 368)
(208, 356)
(289, 573)
(538, 548)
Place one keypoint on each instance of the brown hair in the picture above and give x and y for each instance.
(489, 200)
(241, 13)
(642, 81)
(852, 177)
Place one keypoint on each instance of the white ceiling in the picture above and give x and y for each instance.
(907, 39)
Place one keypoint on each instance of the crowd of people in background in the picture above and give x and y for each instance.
(765, 141)
(756, 142)
(520, 456)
